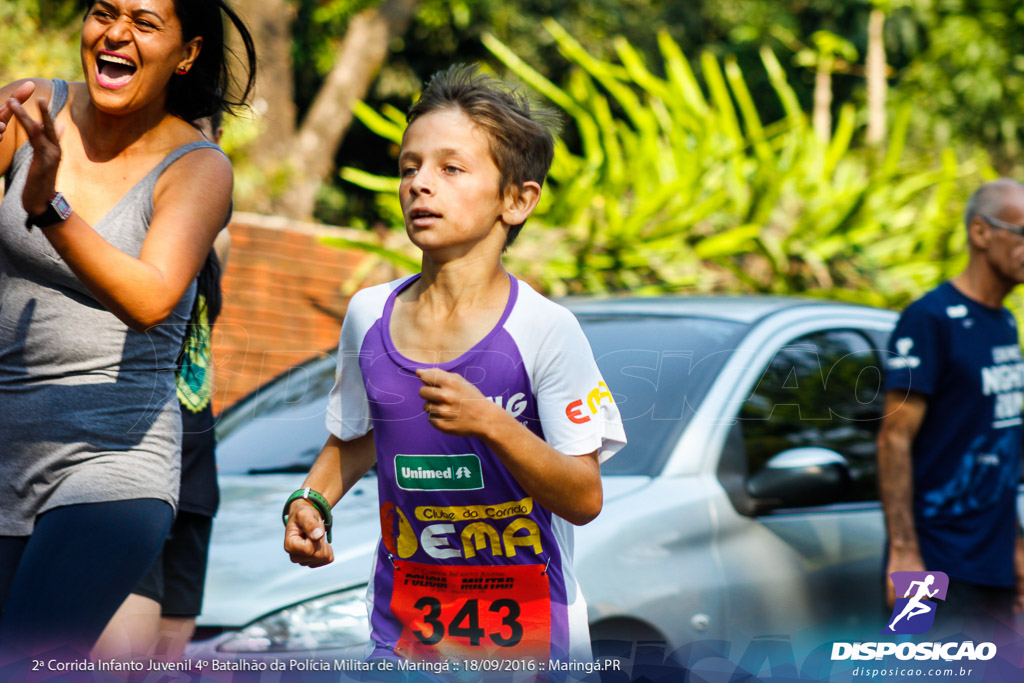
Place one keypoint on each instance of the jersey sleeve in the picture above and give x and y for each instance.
(914, 353)
(576, 407)
(348, 408)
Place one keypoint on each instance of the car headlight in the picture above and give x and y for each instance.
(331, 621)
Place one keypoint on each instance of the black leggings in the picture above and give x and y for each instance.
(60, 586)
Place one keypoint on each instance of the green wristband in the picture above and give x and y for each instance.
(318, 501)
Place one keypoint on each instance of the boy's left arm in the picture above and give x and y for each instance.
(567, 485)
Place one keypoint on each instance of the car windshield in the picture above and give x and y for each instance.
(658, 368)
(280, 427)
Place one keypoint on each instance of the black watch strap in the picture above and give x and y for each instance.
(57, 211)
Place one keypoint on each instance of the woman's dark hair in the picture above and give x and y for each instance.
(204, 89)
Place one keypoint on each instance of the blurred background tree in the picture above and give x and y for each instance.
(965, 73)
(676, 183)
(39, 37)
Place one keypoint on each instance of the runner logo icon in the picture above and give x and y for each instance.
(914, 612)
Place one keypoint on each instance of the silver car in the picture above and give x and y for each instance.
(745, 505)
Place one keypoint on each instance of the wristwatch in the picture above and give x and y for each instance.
(57, 211)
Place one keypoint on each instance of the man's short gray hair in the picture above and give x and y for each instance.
(990, 198)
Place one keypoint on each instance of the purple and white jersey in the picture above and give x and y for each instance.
(468, 564)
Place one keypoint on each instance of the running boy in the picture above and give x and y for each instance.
(478, 399)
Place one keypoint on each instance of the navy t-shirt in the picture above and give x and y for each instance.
(965, 357)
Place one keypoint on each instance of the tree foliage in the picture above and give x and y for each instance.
(954, 61)
(937, 52)
(39, 38)
(965, 77)
(679, 184)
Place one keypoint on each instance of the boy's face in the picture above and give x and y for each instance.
(449, 190)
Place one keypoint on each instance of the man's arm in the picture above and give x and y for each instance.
(567, 485)
(903, 416)
(336, 470)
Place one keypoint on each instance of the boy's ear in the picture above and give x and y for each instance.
(520, 201)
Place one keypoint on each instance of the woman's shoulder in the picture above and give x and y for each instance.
(173, 135)
(196, 163)
(188, 155)
(191, 173)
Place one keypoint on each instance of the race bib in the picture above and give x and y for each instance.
(472, 612)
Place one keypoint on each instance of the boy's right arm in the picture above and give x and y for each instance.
(336, 470)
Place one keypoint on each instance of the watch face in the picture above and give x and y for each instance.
(61, 206)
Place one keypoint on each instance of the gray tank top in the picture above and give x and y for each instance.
(88, 410)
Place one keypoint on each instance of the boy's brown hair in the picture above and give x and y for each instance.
(521, 132)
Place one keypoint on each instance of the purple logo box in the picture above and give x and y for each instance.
(916, 593)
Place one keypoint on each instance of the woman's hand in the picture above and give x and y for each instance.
(45, 140)
(20, 95)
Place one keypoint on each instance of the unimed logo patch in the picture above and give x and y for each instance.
(439, 472)
(915, 607)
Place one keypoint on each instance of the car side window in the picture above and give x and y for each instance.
(821, 390)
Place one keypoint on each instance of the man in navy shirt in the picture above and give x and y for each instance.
(949, 449)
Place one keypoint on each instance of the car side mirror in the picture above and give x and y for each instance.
(800, 477)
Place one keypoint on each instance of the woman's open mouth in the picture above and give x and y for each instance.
(114, 71)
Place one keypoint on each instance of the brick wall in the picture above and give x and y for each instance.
(283, 300)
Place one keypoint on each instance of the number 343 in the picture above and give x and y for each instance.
(466, 622)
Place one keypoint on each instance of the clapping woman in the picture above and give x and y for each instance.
(112, 202)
